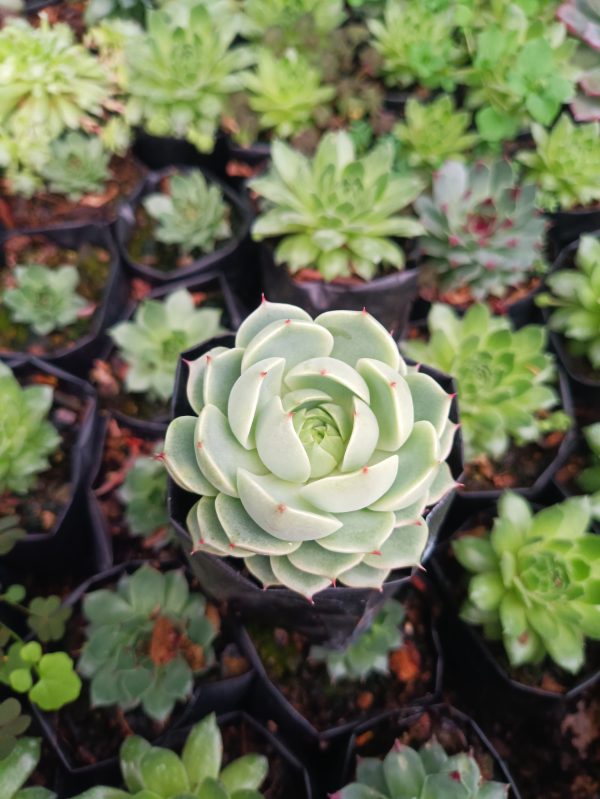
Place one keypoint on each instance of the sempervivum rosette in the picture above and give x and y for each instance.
(315, 450)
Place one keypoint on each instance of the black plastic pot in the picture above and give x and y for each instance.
(69, 547)
(544, 480)
(465, 649)
(233, 313)
(256, 157)
(160, 152)
(335, 612)
(224, 260)
(220, 696)
(446, 720)
(389, 298)
(269, 703)
(567, 226)
(79, 354)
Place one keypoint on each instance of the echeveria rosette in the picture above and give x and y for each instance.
(536, 581)
(582, 19)
(315, 450)
(429, 773)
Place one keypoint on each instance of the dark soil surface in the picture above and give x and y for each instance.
(46, 209)
(461, 298)
(121, 449)
(307, 686)
(39, 509)
(93, 265)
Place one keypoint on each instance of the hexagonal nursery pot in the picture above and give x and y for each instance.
(75, 354)
(66, 545)
(305, 703)
(335, 612)
(226, 259)
(454, 730)
(82, 769)
(388, 298)
(480, 665)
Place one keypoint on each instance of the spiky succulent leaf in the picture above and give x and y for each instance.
(335, 212)
(160, 330)
(180, 74)
(536, 578)
(27, 438)
(144, 492)
(482, 229)
(405, 773)
(192, 214)
(146, 640)
(44, 299)
(505, 378)
(368, 652)
(433, 133)
(314, 445)
(78, 165)
(417, 44)
(574, 300)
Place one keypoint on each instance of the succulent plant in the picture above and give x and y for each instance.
(180, 75)
(48, 82)
(504, 377)
(151, 771)
(78, 165)
(17, 767)
(44, 299)
(565, 165)
(27, 438)
(406, 773)
(433, 133)
(518, 77)
(482, 229)
(289, 20)
(144, 492)
(160, 330)
(574, 300)
(582, 19)
(314, 446)
(99, 10)
(368, 652)
(589, 479)
(417, 44)
(147, 639)
(336, 213)
(285, 92)
(193, 214)
(535, 580)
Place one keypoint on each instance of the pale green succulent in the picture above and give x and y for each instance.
(574, 300)
(193, 214)
(335, 212)
(535, 581)
(505, 377)
(313, 446)
(144, 493)
(78, 165)
(367, 653)
(44, 299)
(433, 133)
(17, 767)
(288, 16)
(565, 165)
(27, 438)
(160, 330)
(285, 91)
(181, 73)
(151, 772)
(482, 229)
(417, 44)
(428, 773)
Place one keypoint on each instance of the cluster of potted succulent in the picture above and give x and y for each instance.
(266, 547)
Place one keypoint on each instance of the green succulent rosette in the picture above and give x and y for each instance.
(315, 450)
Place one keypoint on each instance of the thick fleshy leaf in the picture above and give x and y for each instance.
(247, 773)
(329, 375)
(312, 558)
(363, 439)
(354, 490)
(198, 541)
(402, 549)
(441, 485)
(361, 531)
(359, 335)
(430, 402)
(278, 508)
(278, 444)
(195, 381)
(363, 576)
(260, 567)
(243, 531)
(180, 457)
(203, 751)
(212, 533)
(391, 403)
(263, 316)
(251, 391)
(220, 454)
(220, 374)
(302, 582)
(292, 339)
